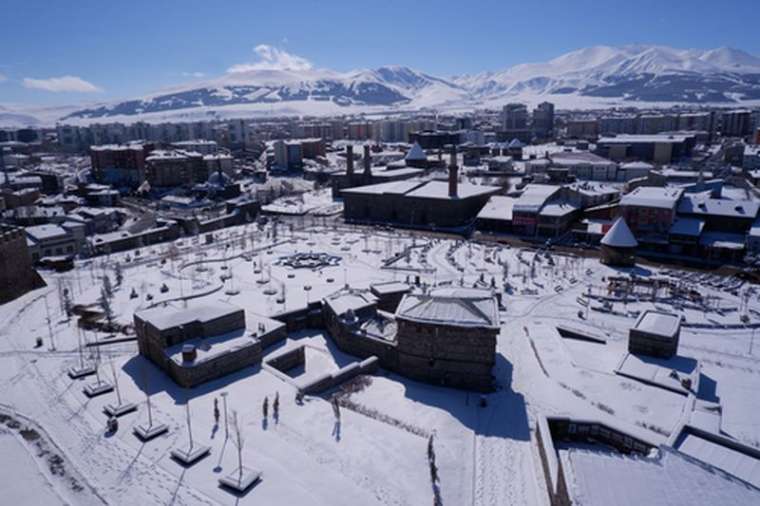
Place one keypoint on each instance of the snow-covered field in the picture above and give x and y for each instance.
(377, 453)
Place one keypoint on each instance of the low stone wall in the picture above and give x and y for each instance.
(288, 360)
(309, 317)
(227, 363)
(350, 371)
(275, 336)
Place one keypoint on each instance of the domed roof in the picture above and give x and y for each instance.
(218, 179)
(620, 236)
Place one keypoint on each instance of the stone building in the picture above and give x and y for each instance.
(431, 204)
(370, 175)
(618, 246)
(655, 333)
(446, 337)
(17, 276)
(203, 343)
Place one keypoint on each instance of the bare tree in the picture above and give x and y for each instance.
(239, 442)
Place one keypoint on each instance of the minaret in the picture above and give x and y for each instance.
(453, 173)
(350, 160)
(367, 162)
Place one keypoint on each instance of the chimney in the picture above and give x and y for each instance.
(367, 161)
(349, 160)
(453, 173)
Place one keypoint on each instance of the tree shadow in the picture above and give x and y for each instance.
(336, 430)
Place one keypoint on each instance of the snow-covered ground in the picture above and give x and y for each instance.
(377, 454)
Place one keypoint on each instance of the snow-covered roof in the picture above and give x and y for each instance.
(659, 323)
(515, 144)
(416, 153)
(389, 287)
(440, 190)
(697, 204)
(730, 460)
(687, 226)
(461, 307)
(165, 318)
(344, 301)
(601, 478)
(46, 232)
(535, 196)
(498, 207)
(722, 240)
(579, 158)
(652, 196)
(619, 236)
(641, 138)
(393, 187)
(558, 208)
(637, 165)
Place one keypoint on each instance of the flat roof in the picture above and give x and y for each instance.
(697, 204)
(652, 196)
(657, 322)
(165, 318)
(498, 207)
(741, 465)
(601, 478)
(440, 190)
(534, 196)
(637, 138)
(46, 232)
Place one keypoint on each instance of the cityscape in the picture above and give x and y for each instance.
(295, 283)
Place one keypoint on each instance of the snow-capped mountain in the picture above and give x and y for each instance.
(391, 86)
(630, 73)
(596, 76)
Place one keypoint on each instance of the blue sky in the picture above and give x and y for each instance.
(61, 52)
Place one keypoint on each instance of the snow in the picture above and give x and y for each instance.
(24, 484)
(454, 306)
(377, 456)
(164, 318)
(745, 467)
(669, 479)
(652, 196)
(440, 190)
(662, 324)
(416, 153)
(498, 207)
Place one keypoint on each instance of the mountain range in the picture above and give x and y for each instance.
(597, 76)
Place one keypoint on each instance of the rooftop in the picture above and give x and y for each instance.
(619, 236)
(652, 196)
(165, 318)
(498, 207)
(597, 478)
(636, 138)
(659, 323)
(460, 307)
(698, 204)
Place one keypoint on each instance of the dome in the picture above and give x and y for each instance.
(219, 179)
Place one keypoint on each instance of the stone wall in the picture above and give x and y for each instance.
(17, 276)
(188, 376)
(453, 356)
